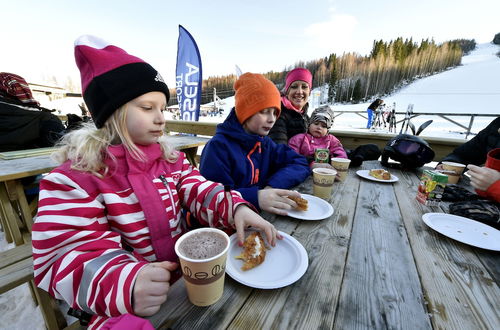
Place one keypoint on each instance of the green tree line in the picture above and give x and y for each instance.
(355, 78)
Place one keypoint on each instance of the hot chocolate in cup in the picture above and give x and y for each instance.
(202, 254)
(342, 167)
(323, 179)
(453, 170)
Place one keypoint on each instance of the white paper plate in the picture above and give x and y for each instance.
(284, 264)
(364, 174)
(317, 209)
(464, 230)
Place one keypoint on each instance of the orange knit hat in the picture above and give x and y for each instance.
(255, 93)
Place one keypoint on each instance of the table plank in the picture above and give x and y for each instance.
(460, 292)
(310, 302)
(26, 153)
(381, 288)
(178, 313)
(24, 167)
(34, 165)
(491, 261)
(184, 142)
(373, 264)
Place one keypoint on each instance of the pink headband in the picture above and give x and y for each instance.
(298, 74)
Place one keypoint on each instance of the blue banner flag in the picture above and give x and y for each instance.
(188, 76)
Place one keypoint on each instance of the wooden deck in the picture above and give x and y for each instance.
(373, 264)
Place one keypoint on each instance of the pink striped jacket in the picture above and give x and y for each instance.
(86, 226)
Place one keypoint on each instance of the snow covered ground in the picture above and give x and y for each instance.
(471, 88)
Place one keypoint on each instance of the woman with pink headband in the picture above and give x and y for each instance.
(294, 104)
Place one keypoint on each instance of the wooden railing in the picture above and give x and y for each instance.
(349, 139)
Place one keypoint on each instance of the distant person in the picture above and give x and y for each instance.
(371, 108)
(317, 137)
(294, 104)
(110, 215)
(475, 150)
(242, 156)
(24, 124)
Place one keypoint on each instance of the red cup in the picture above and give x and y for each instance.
(493, 159)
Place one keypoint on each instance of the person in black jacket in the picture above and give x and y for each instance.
(475, 150)
(24, 124)
(372, 108)
(294, 104)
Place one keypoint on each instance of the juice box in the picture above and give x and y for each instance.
(322, 155)
(431, 187)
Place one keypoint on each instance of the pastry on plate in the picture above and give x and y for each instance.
(380, 174)
(254, 251)
(301, 203)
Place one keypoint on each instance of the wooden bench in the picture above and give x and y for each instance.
(16, 268)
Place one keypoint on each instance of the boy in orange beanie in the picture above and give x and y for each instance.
(242, 156)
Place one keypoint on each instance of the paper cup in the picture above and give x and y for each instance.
(323, 179)
(457, 170)
(342, 166)
(204, 278)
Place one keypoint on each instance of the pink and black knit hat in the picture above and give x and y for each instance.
(111, 77)
(298, 74)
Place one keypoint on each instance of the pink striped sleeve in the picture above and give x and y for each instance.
(76, 256)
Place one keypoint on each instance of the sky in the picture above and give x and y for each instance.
(259, 36)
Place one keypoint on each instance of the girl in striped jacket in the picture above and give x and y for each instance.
(109, 216)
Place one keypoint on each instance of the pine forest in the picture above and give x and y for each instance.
(355, 78)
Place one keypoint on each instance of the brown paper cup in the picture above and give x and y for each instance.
(457, 168)
(342, 166)
(204, 278)
(323, 179)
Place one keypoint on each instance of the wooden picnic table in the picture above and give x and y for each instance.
(373, 264)
(15, 211)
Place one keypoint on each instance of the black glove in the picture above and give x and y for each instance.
(487, 212)
(454, 193)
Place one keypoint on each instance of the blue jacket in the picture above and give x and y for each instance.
(249, 162)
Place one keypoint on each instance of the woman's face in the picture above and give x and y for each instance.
(145, 121)
(298, 93)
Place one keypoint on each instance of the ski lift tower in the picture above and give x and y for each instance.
(217, 101)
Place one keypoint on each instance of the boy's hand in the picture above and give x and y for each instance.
(151, 287)
(244, 217)
(482, 177)
(276, 200)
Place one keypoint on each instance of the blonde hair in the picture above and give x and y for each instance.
(87, 146)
